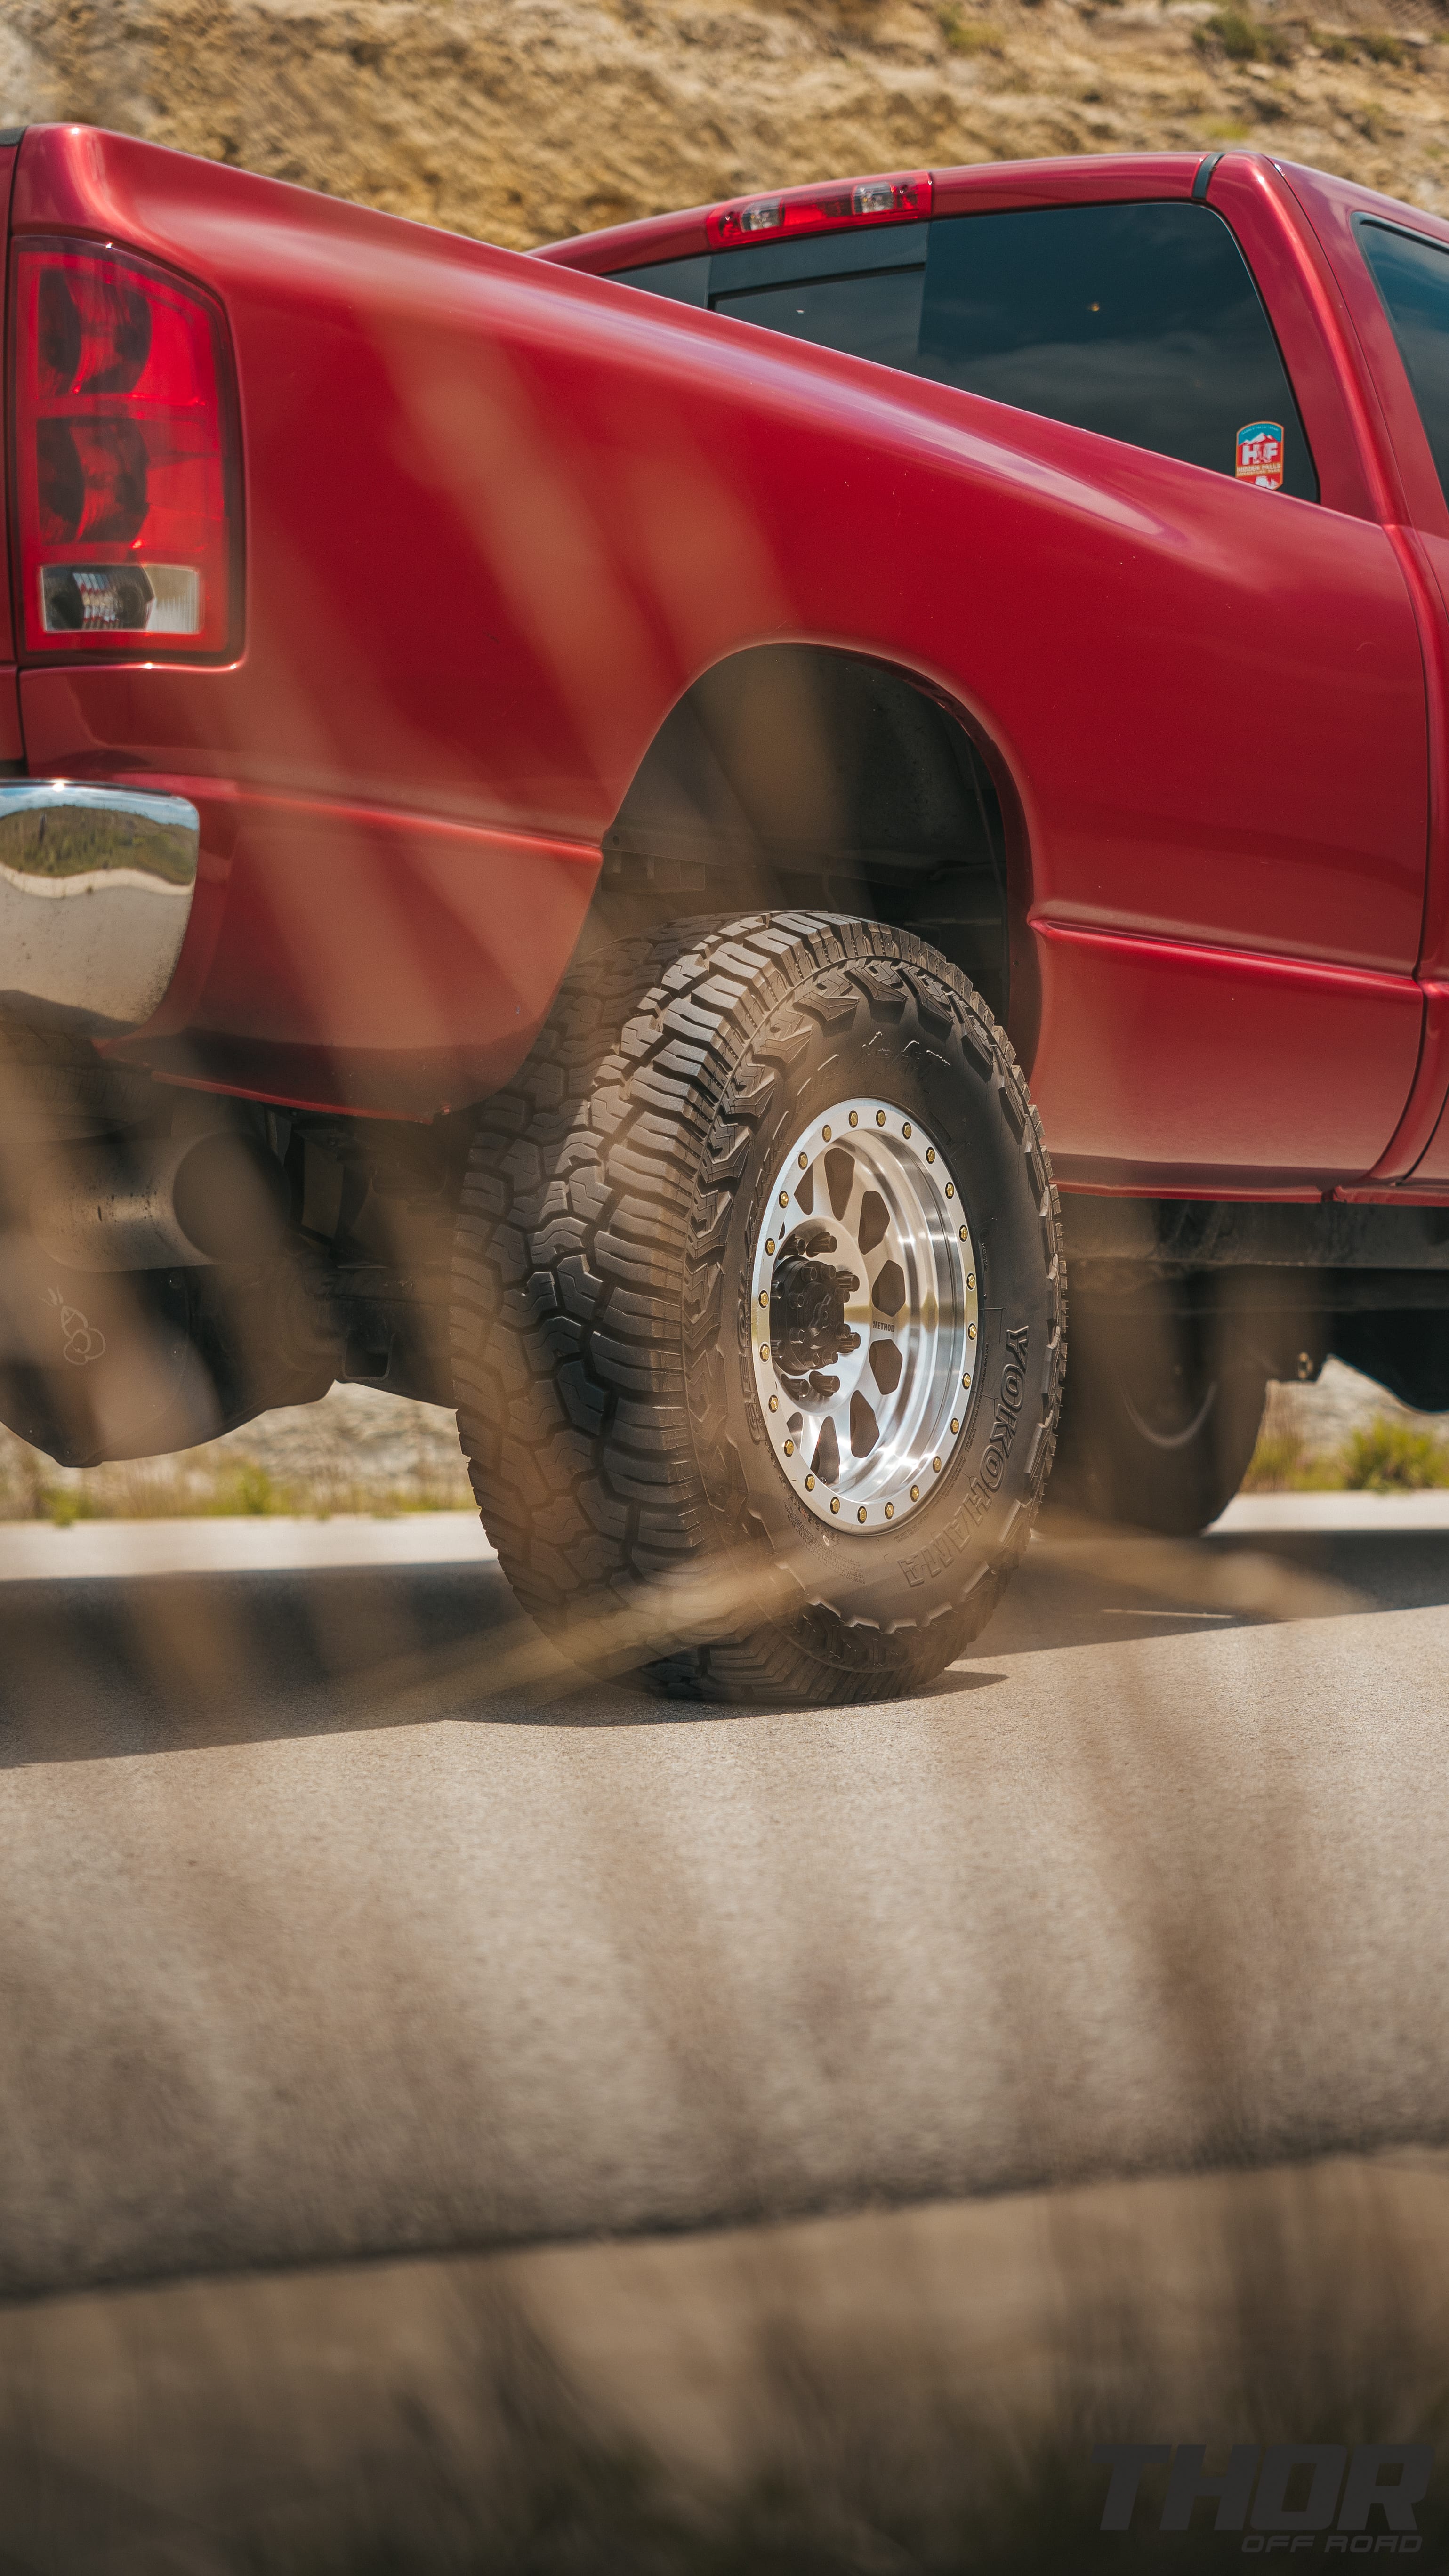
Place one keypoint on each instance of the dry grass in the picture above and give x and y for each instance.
(907, 2395)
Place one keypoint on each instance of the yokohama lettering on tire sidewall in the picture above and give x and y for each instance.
(906, 1033)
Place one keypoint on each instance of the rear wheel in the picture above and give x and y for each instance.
(1160, 1417)
(757, 1324)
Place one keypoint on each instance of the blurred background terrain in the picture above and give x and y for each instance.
(523, 120)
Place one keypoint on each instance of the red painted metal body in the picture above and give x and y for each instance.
(500, 513)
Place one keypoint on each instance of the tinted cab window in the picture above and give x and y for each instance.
(1412, 276)
(1141, 322)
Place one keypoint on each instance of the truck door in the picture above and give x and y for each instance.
(1393, 268)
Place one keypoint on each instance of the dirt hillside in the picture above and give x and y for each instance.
(519, 120)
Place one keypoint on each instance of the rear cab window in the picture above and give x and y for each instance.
(1139, 321)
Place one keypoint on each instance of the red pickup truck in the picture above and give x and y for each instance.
(552, 807)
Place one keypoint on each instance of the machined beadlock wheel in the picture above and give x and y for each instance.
(758, 1326)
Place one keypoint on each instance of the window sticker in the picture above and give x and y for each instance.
(1260, 454)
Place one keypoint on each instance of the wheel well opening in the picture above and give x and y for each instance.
(793, 774)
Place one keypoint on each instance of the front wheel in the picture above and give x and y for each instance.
(758, 1319)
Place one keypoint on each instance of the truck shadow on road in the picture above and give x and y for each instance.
(100, 1669)
(1103, 1589)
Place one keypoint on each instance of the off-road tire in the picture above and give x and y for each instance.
(602, 1360)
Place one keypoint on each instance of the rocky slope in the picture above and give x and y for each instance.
(520, 120)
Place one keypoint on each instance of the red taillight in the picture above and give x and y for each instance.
(124, 457)
(904, 199)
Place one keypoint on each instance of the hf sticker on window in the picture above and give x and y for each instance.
(1260, 454)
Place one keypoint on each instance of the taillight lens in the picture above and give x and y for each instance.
(902, 199)
(124, 457)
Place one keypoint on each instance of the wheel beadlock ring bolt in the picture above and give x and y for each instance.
(860, 1515)
(809, 1484)
(790, 1446)
(936, 1465)
(880, 1118)
(835, 1502)
(854, 1120)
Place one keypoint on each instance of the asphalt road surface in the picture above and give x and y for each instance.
(335, 1918)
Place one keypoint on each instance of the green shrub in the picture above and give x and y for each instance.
(966, 35)
(1231, 31)
(1282, 1465)
(1394, 1458)
(252, 1491)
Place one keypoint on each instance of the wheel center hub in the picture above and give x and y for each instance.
(807, 1310)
